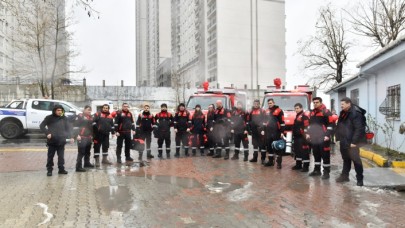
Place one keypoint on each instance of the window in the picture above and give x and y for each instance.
(354, 96)
(42, 105)
(391, 106)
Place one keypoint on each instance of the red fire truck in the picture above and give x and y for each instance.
(286, 99)
(204, 97)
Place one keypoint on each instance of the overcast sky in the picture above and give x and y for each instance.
(107, 45)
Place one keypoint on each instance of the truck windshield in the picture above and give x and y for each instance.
(287, 102)
(204, 101)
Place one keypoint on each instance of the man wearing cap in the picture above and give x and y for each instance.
(182, 129)
(222, 123)
(164, 120)
(144, 125)
(254, 125)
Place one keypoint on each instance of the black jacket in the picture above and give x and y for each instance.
(58, 126)
(181, 120)
(164, 120)
(103, 123)
(145, 122)
(197, 123)
(238, 121)
(124, 122)
(320, 124)
(351, 127)
(274, 119)
(83, 125)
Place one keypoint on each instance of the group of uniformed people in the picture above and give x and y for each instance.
(213, 131)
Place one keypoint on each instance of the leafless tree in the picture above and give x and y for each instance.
(180, 84)
(381, 20)
(41, 43)
(326, 52)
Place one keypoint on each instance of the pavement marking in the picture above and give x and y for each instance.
(46, 213)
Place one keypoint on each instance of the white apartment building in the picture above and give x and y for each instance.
(152, 39)
(238, 43)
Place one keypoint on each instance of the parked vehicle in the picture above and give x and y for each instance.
(22, 116)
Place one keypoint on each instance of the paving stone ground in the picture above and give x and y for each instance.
(186, 192)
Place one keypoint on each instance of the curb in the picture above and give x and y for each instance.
(398, 164)
(376, 158)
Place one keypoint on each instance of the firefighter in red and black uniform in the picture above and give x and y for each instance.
(274, 130)
(124, 124)
(255, 127)
(222, 123)
(210, 129)
(144, 126)
(197, 128)
(83, 126)
(182, 129)
(300, 146)
(103, 124)
(164, 120)
(239, 130)
(319, 130)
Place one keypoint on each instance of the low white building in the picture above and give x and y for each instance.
(377, 88)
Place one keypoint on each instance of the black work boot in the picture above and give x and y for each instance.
(202, 153)
(298, 165)
(235, 155)
(177, 154)
(326, 171)
(186, 152)
(118, 158)
(167, 154)
(270, 162)
(254, 159)
(218, 154)
(246, 156)
(211, 153)
(87, 163)
(226, 154)
(279, 160)
(194, 152)
(343, 178)
(316, 172)
(360, 183)
(305, 167)
(79, 167)
(160, 153)
(149, 154)
(263, 157)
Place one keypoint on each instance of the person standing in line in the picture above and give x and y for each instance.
(239, 129)
(222, 122)
(182, 129)
(124, 125)
(103, 125)
(57, 130)
(300, 146)
(164, 120)
(144, 126)
(255, 126)
(197, 128)
(351, 132)
(319, 130)
(274, 130)
(84, 134)
(210, 129)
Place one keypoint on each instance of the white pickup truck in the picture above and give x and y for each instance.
(23, 116)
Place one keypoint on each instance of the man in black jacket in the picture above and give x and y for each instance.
(351, 132)
(163, 120)
(124, 124)
(103, 125)
(57, 129)
(144, 127)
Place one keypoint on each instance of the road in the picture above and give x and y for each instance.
(186, 192)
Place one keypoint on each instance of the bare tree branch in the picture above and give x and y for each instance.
(326, 52)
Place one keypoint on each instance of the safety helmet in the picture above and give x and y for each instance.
(278, 144)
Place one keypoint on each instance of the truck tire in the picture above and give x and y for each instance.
(10, 130)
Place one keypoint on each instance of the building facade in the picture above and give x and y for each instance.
(34, 42)
(238, 43)
(377, 88)
(152, 39)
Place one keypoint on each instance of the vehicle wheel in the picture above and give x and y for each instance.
(10, 130)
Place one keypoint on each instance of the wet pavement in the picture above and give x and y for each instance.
(187, 192)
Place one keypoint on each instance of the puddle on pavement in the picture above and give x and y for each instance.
(298, 186)
(183, 182)
(114, 198)
(219, 187)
